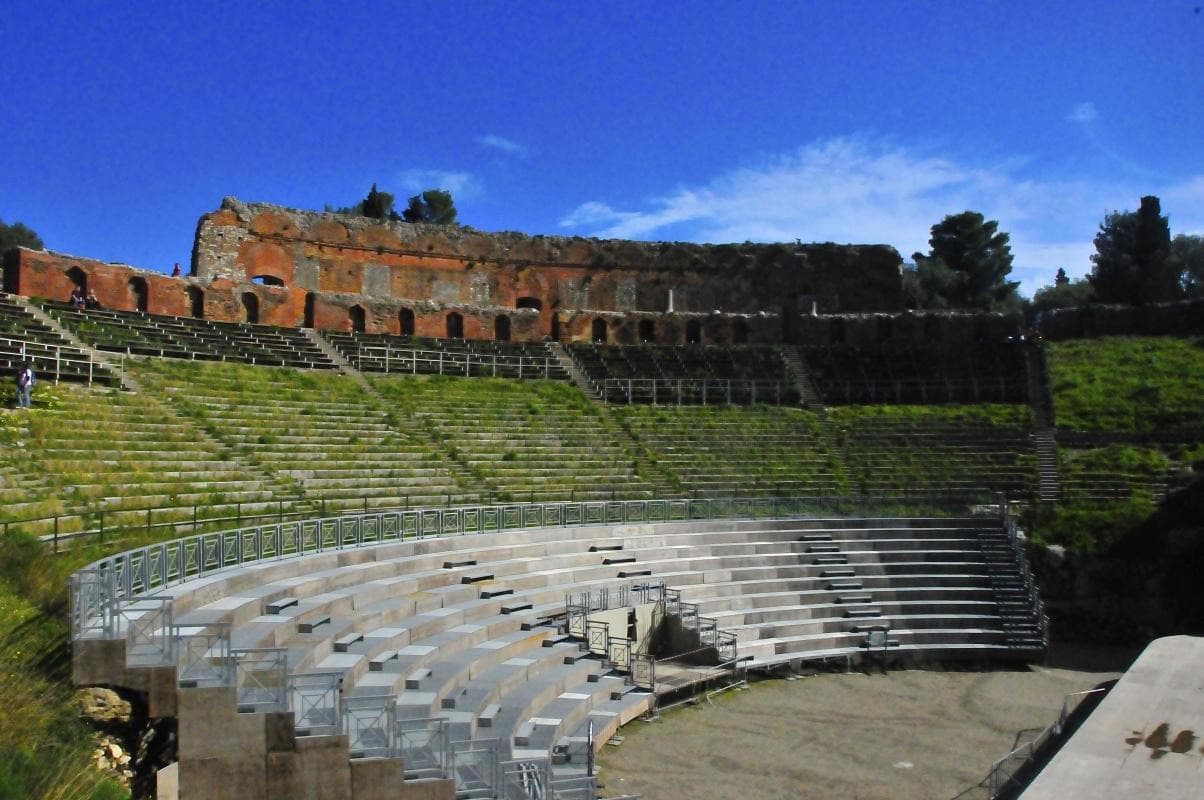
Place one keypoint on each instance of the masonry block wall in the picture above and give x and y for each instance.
(279, 266)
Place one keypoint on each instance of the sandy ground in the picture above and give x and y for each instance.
(904, 735)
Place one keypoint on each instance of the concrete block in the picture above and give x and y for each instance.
(167, 783)
(376, 778)
(319, 769)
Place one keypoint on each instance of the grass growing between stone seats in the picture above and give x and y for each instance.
(44, 747)
(532, 440)
(1128, 384)
(735, 450)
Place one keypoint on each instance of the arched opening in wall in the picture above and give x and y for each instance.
(359, 322)
(250, 308)
(739, 332)
(196, 302)
(555, 327)
(693, 332)
(529, 302)
(140, 293)
(455, 326)
(647, 331)
(599, 331)
(79, 278)
(309, 310)
(501, 328)
(405, 319)
(266, 280)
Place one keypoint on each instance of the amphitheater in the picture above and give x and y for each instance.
(360, 565)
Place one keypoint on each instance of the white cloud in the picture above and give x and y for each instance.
(507, 146)
(856, 190)
(462, 185)
(1083, 113)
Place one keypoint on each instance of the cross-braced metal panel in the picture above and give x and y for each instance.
(453, 521)
(619, 653)
(616, 512)
(261, 678)
(91, 602)
(311, 536)
(658, 510)
(290, 538)
(595, 513)
(145, 624)
(474, 767)
(314, 700)
(423, 747)
(512, 517)
(678, 510)
(411, 525)
(553, 514)
(329, 534)
(429, 522)
(369, 724)
(643, 671)
(351, 531)
(574, 514)
(203, 656)
(708, 631)
(596, 637)
(528, 779)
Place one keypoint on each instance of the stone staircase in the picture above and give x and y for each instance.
(1041, 398)
(576, 374)
(809, 398)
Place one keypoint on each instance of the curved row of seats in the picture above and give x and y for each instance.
(460, 627)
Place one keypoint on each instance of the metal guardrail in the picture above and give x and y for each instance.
(50, 361)
(377, 358)
(696, 391)
(1008, 772)
(101, 587)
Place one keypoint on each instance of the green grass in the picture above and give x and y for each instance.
(1128, 384)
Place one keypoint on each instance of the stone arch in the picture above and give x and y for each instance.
(405, 320)
(501, 328)
(250, 307)
(310, 299)
(359, 320)
(598, 331)
(267, 280)
(140, 292)
(693, 332)
(79, 278)
(555, 327)
(529, 302)
(647, 331)
(196, 302)
(455, 326)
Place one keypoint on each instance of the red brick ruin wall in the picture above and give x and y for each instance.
(308, 268)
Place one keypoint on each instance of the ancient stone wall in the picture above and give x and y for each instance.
(278, 266)
(543, 285)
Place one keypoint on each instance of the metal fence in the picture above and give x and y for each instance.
(392, 360)
(1012, 772)
(52, 362)
(696, 391)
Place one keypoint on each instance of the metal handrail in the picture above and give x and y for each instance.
(55, 355)
(709, 391)
(101, 586)
(445, 362)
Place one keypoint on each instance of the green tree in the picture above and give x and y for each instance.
(1132, 261)
(1064, 293)
(1188, 252)
(378, 205)
(18, 234)
(967, 267)
(434, 206)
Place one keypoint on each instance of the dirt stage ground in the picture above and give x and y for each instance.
(905, 735)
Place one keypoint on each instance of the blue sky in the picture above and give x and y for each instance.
(864, 122)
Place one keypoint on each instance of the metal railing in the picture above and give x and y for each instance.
(52, 361)
(696, 391)
(387, 359)
(1011, 772)
(104, 585)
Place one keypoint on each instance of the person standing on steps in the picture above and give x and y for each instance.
(175, 271)
(24, 385)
